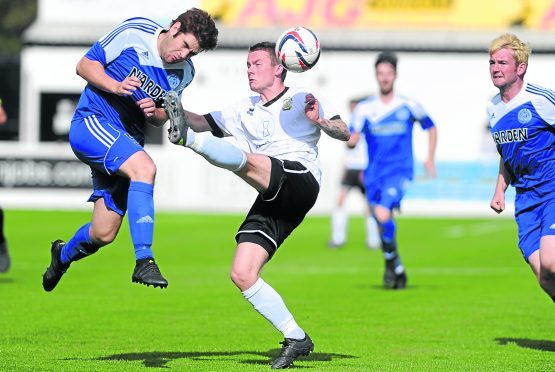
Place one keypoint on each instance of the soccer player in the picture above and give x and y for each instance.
(127, 70)
(5, 261)
(277, 131)
(387, 122)
(522, 118)
(355, 162)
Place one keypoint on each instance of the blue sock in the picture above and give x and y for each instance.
(140, 206)
(388, 230)
(389, 246)
(79, 246)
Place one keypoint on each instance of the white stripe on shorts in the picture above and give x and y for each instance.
(260, 232)
(98, 132)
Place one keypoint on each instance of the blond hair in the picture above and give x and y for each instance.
(521, 50)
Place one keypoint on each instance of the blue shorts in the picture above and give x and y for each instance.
(387, 193)
(535, 217)
(104, 148)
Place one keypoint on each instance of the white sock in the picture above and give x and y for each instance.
(372, 233)
(217, 151)
(190, 137)
(339, 220)
(270, 305)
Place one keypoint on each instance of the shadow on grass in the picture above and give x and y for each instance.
(380, 287)
(6, 280)
(544, 345)
(159, 359)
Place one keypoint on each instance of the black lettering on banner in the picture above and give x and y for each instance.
(44, 173)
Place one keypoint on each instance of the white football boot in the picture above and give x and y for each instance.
(177, 132)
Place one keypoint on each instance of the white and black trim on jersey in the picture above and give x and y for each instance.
(278, 128)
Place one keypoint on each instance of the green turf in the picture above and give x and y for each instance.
(472, 304)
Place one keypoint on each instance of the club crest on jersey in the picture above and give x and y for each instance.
(287, 104)
(173, 79)
(524, 116)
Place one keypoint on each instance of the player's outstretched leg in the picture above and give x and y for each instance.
(54, 272)
(177, 132)
(147, 272)
(291, 350)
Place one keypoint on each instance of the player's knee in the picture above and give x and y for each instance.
(243, 279)
(547, 258)
(145, 173)
(547, 271)
(102, 237)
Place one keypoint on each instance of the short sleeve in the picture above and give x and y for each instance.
(226, 119)
(421, 115)
(545, 106)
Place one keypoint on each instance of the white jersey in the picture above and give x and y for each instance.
(278, 128)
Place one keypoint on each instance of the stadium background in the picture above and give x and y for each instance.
(471, 304)
(442, 47)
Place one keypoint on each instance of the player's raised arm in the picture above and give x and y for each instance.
(197, 122)
(155, 116)
(335, 128)
(93, 72)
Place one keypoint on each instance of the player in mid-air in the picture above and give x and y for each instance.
(277, 131)
(522, 122)
(128, 71)
(386, 121)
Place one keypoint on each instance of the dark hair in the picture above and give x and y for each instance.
(199, 23)
(387, 57)
(271, 49)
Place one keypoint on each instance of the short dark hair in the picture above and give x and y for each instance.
(387, 57)
(271, 49)
(199, 23)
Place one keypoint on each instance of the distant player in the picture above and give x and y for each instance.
(522, 119)
(278, 130)
(5, 261)
(127, 70)
(387, 122)
(356, 160)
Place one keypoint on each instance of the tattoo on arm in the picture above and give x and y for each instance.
(335, 129)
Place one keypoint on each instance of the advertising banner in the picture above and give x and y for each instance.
(388, 14)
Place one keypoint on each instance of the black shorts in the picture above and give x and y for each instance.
(292, 192)
(353, 178)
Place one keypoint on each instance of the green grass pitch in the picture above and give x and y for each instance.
(471, 304)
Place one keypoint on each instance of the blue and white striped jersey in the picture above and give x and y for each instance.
(387, 128)
(131, 49)
(525, 137)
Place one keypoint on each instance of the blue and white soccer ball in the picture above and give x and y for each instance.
(298, 49)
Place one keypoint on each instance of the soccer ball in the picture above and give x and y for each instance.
(298, 49)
